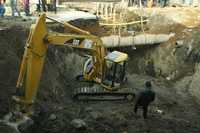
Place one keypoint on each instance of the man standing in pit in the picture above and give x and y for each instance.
(13, 4)
(150, 3)
(144, 98)
(2, 8)
(27, 7)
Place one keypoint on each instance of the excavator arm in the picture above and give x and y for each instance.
(91, 45)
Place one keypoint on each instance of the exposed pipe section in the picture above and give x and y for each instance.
(142, 39)
(123, 24)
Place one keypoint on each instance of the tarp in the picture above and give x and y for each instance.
(73, 15)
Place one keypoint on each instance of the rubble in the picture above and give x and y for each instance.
(78, 123)
(52, 117)
(4, 128)
(95, 115)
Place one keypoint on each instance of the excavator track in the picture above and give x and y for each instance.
(101, 94)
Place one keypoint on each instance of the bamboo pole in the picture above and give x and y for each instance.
(123, 24)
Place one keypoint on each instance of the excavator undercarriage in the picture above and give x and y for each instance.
(98, 93)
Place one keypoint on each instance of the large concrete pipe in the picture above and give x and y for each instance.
(142, 39)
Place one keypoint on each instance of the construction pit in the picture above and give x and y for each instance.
(172, 66)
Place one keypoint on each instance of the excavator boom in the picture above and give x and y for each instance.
(32, 62)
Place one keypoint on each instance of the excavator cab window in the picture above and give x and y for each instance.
(114, 74)
(115, 68)
(88, 65)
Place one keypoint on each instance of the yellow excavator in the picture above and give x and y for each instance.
(106, 69)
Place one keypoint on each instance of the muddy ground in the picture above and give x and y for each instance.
(173, 67)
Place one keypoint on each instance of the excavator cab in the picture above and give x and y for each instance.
(115, 69)
(111, 80)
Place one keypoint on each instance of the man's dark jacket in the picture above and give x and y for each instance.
(145, 97)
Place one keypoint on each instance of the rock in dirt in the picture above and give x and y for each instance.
(95, 115)
(160, 111)
(15, 122)
(52, 117)
(25, 125)
(179, 42)
(78, 124)
(4, 128)
(88, 109)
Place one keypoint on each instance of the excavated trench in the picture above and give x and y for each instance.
(172, 67)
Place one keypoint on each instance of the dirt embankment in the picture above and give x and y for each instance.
(11, 45)
(176, 60)
(55, 109)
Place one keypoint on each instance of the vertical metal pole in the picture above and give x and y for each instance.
(114, 75)
(55, 7)
(141, 17)
(97, 9)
